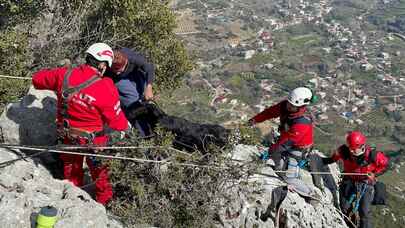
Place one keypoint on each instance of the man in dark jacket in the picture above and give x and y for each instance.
(133, 78)
(358, 158)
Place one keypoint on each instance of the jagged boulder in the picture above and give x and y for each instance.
(30, 121)
(26, 186)
(250, 201)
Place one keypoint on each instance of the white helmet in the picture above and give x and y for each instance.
(101, 52)
(300, 96)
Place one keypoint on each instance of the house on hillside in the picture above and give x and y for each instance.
(366, 66)
(384, 55)
(249, 54)
(347, 115)
(233, 41)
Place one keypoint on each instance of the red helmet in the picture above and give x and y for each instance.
(355, 140)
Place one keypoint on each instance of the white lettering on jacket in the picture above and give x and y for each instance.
(84, 100)
(117, 108)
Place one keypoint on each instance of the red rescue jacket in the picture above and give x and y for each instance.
(296, 129)
(92, 107)
(371, 161)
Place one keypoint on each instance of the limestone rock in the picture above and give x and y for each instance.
(250, 199)
(30, 121)
(25, 187)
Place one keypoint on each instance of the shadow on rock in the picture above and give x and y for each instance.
(32, 122)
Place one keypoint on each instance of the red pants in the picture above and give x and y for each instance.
(73, 171)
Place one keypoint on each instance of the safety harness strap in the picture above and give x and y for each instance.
(65, 85)
(68, 92)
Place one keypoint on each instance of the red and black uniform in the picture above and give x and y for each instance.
(296, 129)
(371, 161)
(88, 110)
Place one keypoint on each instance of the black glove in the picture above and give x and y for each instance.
(136, 110)
(327, 161)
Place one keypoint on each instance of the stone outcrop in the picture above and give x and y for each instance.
(30, 121)
(26, 186)
(250, 201)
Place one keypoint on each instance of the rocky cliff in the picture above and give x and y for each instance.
(250, 204)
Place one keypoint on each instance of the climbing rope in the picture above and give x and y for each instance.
(60, 150)
(14, 77)
(92, 147)
(139, 160)
(44, 150)
(318, 173)
(6, 163)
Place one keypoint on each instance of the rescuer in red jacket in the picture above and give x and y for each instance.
(296, 133)
(87, 102)
(360, 158)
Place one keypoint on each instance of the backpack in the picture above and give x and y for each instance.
(380, 194)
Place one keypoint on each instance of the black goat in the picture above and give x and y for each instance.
(188, 135)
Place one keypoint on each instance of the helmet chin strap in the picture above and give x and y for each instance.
(362, 150)
(102, 68)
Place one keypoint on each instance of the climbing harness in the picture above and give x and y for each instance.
(354, 200)
(303, 163)
(64, 129)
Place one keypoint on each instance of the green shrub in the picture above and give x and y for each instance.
(170, 195)
(18, 11)
(146, 26)
(14, 58)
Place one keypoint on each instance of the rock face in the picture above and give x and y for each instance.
(30, 121)
(250, 201)
(26, 187)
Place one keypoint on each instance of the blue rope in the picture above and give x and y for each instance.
(363, 191)
(303, 163)
(264, 155)
(352, 197)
